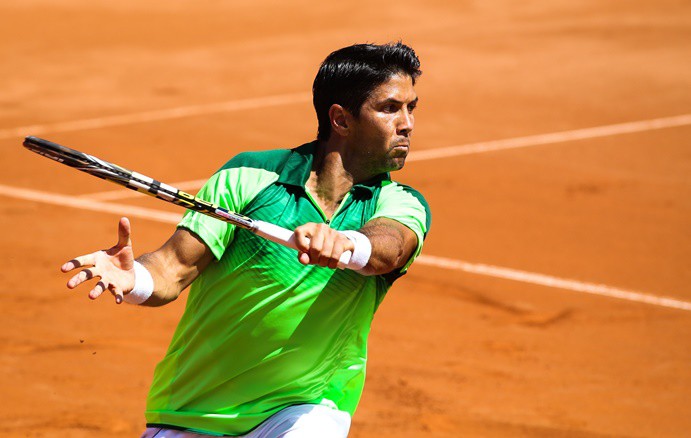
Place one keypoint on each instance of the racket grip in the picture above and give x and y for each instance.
(285, 237)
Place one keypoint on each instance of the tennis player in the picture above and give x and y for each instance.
(272, 344)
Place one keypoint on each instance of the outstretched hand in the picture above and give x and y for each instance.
(114, 267)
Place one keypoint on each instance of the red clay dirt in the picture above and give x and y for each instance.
(451, 353)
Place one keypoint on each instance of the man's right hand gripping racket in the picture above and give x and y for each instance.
(143, 184)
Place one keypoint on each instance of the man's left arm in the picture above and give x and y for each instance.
(392, 243)
(395, 233)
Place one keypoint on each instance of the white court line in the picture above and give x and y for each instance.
(439, 262)
(84, 204)
(125, 193)
(157, 115)
(549, 281)
(487, 146)
(555, 137)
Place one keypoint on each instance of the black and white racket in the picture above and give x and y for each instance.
(144, 184)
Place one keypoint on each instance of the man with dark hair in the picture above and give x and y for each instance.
(270, 344)
(347, 77)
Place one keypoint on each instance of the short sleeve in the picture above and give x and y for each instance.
(407, 206)
(233, 188)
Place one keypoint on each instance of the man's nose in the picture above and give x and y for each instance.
(406, 123)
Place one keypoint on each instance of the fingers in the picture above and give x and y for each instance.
(303, 235)
(304, 258)
(81, 277)
(124, 232)
(320, 245)
(86, 275)
(117, 293)
(316, 247)
(97, 290)
(336, 252)
(99, 287)
(109, 269)
(78, 262)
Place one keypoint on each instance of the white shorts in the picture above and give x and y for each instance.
(298, 421)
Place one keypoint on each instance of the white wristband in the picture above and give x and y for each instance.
(143, 285)
(362, 249)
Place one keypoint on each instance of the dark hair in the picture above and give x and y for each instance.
(348, 76)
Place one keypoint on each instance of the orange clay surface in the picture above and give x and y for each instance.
(452, 353)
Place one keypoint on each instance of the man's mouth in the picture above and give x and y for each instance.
(400, 150)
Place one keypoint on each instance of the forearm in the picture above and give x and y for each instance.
(392, 246)
(174, 266)
(167, 286)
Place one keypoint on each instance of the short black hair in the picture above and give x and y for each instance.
(349, 75)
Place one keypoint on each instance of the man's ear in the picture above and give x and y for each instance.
(339, 118)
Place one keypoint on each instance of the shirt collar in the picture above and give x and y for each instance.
(297, 168)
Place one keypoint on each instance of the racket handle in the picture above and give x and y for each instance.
(285, 237)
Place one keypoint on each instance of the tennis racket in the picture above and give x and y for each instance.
(149, 186)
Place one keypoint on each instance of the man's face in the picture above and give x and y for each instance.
(381, 133)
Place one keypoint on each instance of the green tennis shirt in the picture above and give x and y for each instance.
(260, 331)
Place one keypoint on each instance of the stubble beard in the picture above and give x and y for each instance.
(395, 158)
(389, 161)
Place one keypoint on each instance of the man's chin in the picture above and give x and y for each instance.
(396, 164)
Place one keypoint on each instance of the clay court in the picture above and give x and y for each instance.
(553, 143)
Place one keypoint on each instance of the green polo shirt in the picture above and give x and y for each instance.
(260, 331)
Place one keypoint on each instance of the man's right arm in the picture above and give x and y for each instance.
(175, 265)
